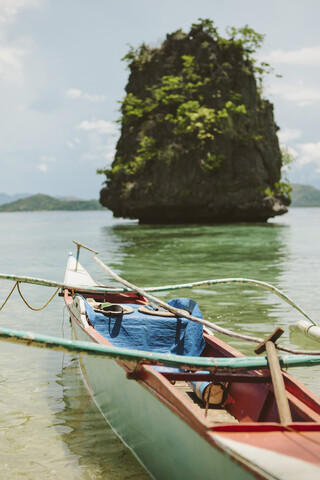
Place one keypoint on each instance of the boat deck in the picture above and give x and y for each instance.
(214, 414)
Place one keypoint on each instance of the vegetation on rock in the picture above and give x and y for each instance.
(196, 132)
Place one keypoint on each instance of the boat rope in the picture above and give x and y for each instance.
(183, 314)
(8, 296)
(16, 285)
(36, 309)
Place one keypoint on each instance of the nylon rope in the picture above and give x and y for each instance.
(8, 296)
(29, 306)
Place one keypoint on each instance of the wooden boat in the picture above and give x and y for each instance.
(188, 423)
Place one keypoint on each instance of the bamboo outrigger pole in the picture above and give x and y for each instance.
(182, 313)
(153, 358)
(51, 283)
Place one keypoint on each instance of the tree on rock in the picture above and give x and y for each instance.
(198, 142)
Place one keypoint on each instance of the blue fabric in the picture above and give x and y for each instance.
(152, 333)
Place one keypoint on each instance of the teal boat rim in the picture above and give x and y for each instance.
(142, 357)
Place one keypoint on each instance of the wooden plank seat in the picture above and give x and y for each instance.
(214, 414)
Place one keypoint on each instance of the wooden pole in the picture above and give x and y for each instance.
(80, 245)
(276, 375)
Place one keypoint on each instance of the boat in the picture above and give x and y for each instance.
(187, 404)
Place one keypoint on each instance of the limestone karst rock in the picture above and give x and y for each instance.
(198, 142)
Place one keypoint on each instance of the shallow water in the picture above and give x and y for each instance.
(49, 426)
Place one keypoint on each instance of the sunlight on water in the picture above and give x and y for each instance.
(50, 428)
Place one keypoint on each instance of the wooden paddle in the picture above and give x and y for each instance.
(268, 345)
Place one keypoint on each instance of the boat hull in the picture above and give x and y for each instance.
(159, 439)
(172, 439)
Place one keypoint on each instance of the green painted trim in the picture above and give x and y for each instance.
(139, 357)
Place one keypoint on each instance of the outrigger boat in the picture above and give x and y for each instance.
(187, 404)
(204, 417)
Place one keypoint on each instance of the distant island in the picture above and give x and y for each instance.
(42, 202)
(305, 196)
(301, 196)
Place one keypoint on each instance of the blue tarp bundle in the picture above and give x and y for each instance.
(152, 333)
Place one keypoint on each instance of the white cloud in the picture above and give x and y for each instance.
(42, 167)
(101, 127)
(308, 56)
(11, 56)
(9, 9)
(288, 134)
(309, 153)
(10, 63)
(298, 93)
(102, 138)
(76, 93)
(72, 144)
(46, 160)
(109, 156)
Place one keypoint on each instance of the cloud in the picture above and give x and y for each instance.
(75, 93)
(100, 127)
(308, 56)
(10, 9)
(42, 167)
(72, 144)
(101, 140)
(109, 156)
(309, 153)
(46, 160)
(287, 135)
(299, 93)
(11, 56)
(11, 63)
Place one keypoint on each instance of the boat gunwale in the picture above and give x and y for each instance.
(206, 427)
(155, 382)
(150, 379)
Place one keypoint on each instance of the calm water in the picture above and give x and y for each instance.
(49, 427)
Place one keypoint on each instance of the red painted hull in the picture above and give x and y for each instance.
(258, 436)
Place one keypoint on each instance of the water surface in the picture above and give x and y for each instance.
(49, 426)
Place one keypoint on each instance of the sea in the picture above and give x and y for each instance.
(49, 426)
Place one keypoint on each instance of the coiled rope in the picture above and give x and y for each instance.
(16, 285)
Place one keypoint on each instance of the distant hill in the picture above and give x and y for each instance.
(304, 196)
(45, 202)
(301, 196)
(5, 198)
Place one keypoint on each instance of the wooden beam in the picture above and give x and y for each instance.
(276, 375)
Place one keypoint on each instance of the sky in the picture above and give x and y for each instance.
(61, 80)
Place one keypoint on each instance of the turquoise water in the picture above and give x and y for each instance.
(49, 427)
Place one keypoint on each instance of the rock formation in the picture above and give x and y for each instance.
(198, 142)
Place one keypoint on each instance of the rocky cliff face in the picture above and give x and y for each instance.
(198, 143)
